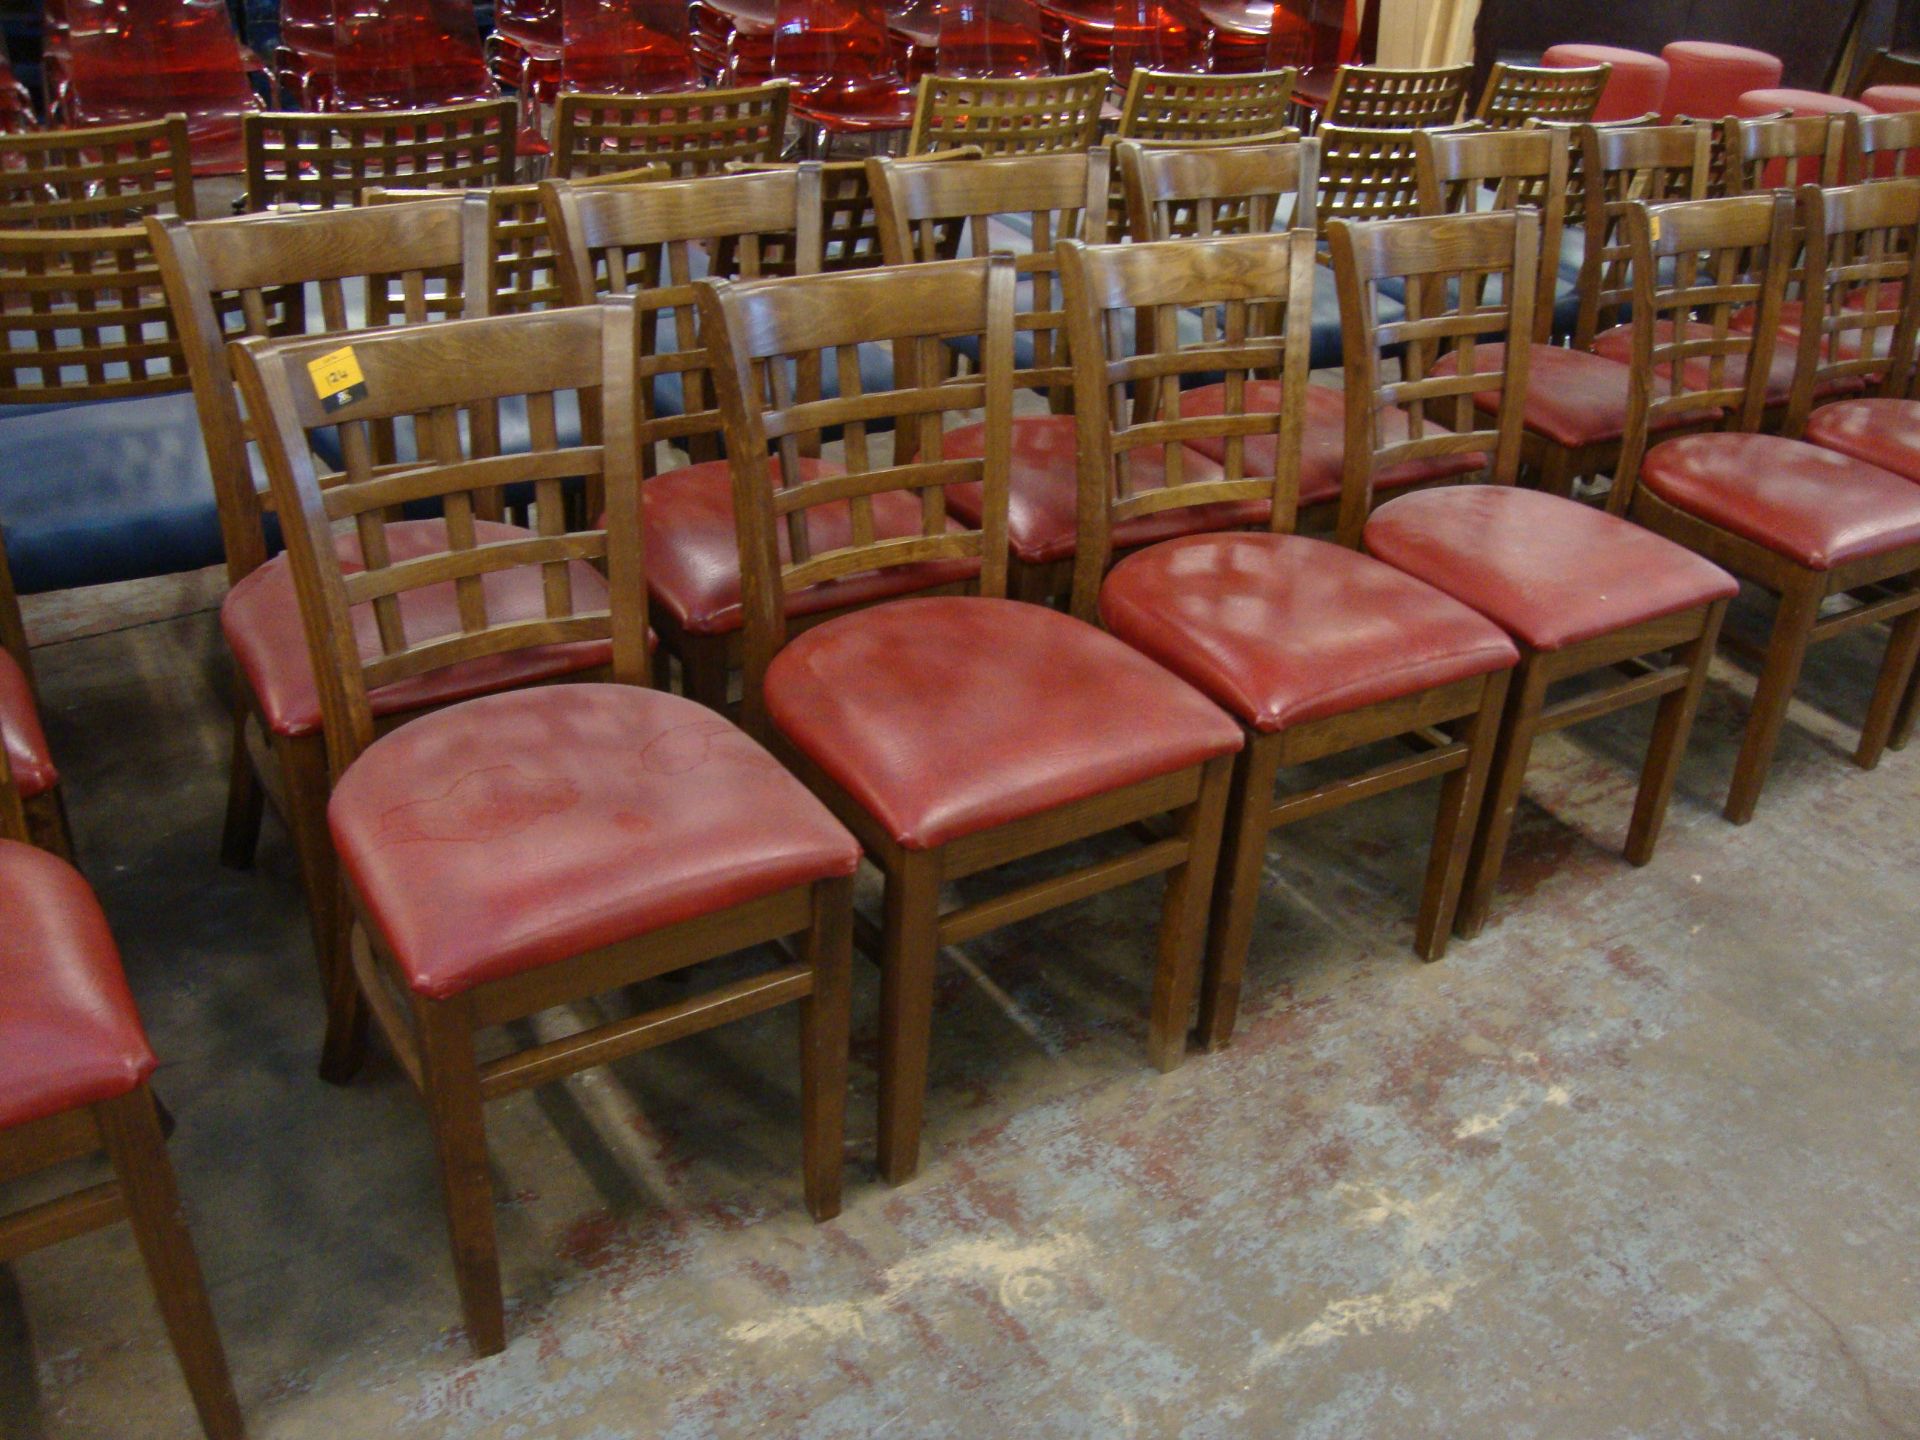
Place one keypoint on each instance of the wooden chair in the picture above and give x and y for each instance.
(1369, 174)
(849, 229)
(1373, 97)
(321, 161)
(74, 1065)
(1221, 108)
(553, 844)
(1782, 150)
(697, 133)
(1177, 192)
(1314, 649)
(960, 733)
(1044, 115)
(1808, 523)
(113, 175)
(1882, 146)
(1584, 595)
(1517, 94)
(1465, 174)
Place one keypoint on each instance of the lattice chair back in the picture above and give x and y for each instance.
(699, 132)
(1227, 108)
(1516, 94)
(1502, 170)
(1218, 190)
(1368, 174)
(1883, 146)
(1782, 151)
(1377, 98)
(1042, 115)
(1625, 166)
(113, 175)
(320, 161)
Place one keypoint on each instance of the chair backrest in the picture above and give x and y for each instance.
(627, 47)
(401, 54)
(327, 160)
(927, 210)
(1860, 306)
(1260, 289)
(762, 332)
(1375, 97)
(315, 273)
(1447, 264)
(651, 242)
(106, 176)
(1368, 174)
(440, 373)
(1708, 280)
(1182, 107)
(1218, 190)
(988, 37)
(1044, 115)
(1569, 134)
(1461, 174)
(696, 133)
(1516, 94)
(840, 54)
(1782, 150)
(1623, 166)
(1883, 146)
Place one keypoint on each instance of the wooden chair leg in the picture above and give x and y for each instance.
(1909, 712)
(1786, 652)
(451, 1085)
(246, 800)
(130, 1128)
(1236, 888)
(306, 786)
(1556, 471)
(344, 1050)
(1672, 725)
(911, 945)
(1183, 919)
(1526, 695)
(47, 824)
(703, 671)
(823, 1046)
(1462, 794)
(1889, 695)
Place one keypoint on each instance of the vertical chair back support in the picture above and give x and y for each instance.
(1516, 94)
(81, 179)
(327, 160)
(697, 133)
(1040, 116)
(1182, 107)
(1261, 287)
(1501, 170)
(1698, 267)
(319, 272)
(762, 332)
(1880, 146)
(1622, 166)
(435, 374)
(1446, 263)
(1782, 150)
(1223, 190)
(1374, 97)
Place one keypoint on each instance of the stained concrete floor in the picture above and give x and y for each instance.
(1640, 1161)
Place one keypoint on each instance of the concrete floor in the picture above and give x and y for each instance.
(1640, 1161)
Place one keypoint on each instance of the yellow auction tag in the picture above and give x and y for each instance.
(1653, 234)
(337, 379)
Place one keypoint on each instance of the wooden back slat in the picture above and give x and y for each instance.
(1375, 97)
(1623, 166)
(1883, 146)
(1260, 289)
(1788, 146)
(1501, 170)
(100, 177)
(1043, 115)
(1446, 263)
(1218, 190)
(1516, 94)
(295, 273)
(434, 374)
(322, 161)
(763, 331)
(1369, 174)
(696, 133)
(1183, 108)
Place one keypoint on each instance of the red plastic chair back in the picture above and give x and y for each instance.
(1120, 35)
(143, 59)
(842, 60)
(1314, 34)
(627, 47)
(16, 106)
(405, 54)
(989, 38)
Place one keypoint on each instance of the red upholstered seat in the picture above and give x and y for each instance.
(1891, 99)
(1573, 398)
(1637, 85)
(1323, 441)
(1282, 629)
(261, 618)
(1552, 572)
(1881, 432)
(1617, 344)
(944, 716)
(1772, 100)
(517, 830)
(1705, 80)
(693, 549)
(69, 1035)
(1043, 492)
(1817, 507)
(27, 755)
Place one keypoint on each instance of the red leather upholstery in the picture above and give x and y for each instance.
(1281, 629)
(1323, 441)
(693, 549)
(1573, 398)
(1891, 99)
(517, 830)
(1772, 100)
(1552, 572)
(261, 618)
(1705, 79)
(1617, 344)
(1043, 492)
(1637, 85)
(945, 716)
(27, 755)
(69, 1035)
(1881, 432)
(1817, 507)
